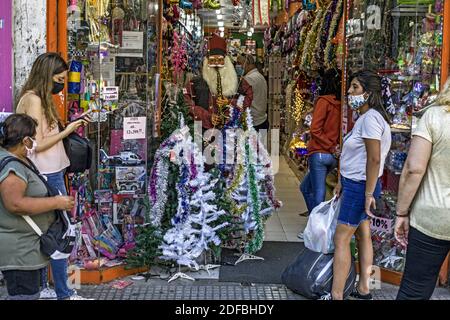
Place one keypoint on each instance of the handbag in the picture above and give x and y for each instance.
(79, 152)
(60, 238)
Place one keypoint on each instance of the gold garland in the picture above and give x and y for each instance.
(315, 55)
(298, 107)
(310, 40)
(329, 60)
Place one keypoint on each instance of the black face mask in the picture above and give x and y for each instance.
(57, 87)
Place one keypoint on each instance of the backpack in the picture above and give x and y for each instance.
(59, 240)
(78, 150)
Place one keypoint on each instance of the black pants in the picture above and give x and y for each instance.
(22, 285)
(424, 258)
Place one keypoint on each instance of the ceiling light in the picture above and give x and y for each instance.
(219, 17)
(222, 29)
(252, 30)
(217, 11)
(249, 34)
(220, 23)
(222, 34)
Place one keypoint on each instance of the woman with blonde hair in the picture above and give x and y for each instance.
(423, 207)
(47, 78)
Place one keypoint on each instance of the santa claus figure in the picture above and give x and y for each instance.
(219, 88)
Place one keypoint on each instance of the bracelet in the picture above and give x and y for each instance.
(402, 215)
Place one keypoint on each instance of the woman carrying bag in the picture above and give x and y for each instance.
(22, 193)
(47, 78)
(361, 165)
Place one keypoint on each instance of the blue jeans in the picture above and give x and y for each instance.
(313, 186)
(59, 267)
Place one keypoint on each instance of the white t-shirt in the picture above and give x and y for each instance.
(371, 125)
(258, 109)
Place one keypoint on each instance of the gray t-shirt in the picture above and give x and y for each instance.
(370, 125)
(19, 244)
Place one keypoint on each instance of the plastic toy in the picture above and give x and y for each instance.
(123, 158)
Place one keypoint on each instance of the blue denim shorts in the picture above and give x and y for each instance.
(353, 202)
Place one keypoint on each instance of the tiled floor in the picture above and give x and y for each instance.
(285, 224)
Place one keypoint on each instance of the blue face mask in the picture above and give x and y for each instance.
(356, 102)
(239, 70)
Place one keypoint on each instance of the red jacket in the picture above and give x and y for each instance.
(204, 115)
(326, 125)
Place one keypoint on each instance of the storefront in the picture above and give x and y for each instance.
(406, 42)
(133, 65)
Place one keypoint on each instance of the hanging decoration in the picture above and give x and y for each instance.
(211, 4)
(330, 48)
(311, 40)
(178, 55)
(260, 12)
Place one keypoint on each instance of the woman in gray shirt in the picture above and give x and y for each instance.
(23, 193)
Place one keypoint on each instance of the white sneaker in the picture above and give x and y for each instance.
(300, 236)
(77, 297)
(48, 294)
(326, 297)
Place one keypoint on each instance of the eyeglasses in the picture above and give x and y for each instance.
(216, 60)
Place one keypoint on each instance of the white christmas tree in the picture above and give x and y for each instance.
(194, 226)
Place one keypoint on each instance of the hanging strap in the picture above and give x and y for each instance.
(33, 225)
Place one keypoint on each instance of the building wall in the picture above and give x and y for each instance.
(5, 56)
(29, 29)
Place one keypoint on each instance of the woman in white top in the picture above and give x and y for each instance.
(46, 78)
(361, 165)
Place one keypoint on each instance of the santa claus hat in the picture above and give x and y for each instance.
(217, 46)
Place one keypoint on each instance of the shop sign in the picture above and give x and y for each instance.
(382, 224)
(134, 128)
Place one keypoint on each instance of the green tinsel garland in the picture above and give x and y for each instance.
(256, 242)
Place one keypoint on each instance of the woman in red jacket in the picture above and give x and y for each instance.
(324, 140)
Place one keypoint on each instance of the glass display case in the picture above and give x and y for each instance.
(113, 54)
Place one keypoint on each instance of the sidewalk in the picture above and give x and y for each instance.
(156, 289)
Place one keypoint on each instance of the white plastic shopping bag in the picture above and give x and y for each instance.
(319, 231)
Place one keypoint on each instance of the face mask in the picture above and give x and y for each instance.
(239, 70)
(31, 151)
(57, 87)
(356, 102)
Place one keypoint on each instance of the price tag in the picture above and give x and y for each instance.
(382, 224)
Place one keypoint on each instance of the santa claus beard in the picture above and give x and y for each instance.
(227, 74)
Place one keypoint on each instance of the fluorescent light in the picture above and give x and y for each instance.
(217, 11)
(219, 17)
(220, 23)
(222, 29)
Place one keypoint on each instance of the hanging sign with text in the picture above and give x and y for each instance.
(134, 128)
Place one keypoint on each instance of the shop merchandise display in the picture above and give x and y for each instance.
(110, 49)
(308, 44)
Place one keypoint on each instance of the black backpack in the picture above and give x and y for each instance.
(59, 240)
(79, 152)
